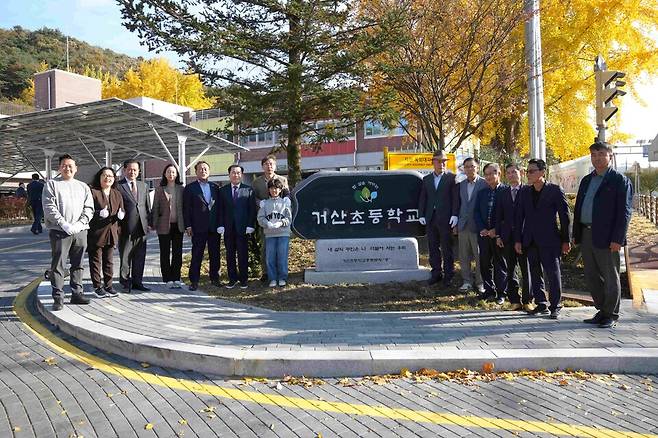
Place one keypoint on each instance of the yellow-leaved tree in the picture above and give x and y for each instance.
(157, 79)
(574, 32)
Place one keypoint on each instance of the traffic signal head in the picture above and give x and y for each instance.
(607, 88)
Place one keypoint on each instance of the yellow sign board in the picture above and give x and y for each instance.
(414, 161)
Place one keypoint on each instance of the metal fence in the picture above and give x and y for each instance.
(647, 206)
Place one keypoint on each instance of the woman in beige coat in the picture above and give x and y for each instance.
(167, 220)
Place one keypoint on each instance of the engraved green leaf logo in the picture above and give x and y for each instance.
(365, 193)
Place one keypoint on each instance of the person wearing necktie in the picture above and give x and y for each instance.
(200, 205)
(505, 208)
(438, 207)
(236, 221)
(134, 227)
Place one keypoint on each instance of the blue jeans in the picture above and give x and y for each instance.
(276, 254)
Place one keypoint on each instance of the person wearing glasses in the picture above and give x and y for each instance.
(601, 218)
(103, 233)
(438, 209)
(538, 235)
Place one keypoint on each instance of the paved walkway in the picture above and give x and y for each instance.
(643, 271)
(186, 330)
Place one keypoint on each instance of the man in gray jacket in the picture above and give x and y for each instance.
(68, 207)
(468, 232)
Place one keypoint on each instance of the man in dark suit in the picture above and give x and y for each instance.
(505, 208)
(493, 266)
(601, 218)
(134, 227)
(237, 219)
(200, 205)
(538, 236)
(34, 191)
(438, 209)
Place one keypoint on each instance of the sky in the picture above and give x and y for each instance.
(98, 22)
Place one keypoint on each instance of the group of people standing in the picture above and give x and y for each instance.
(118, 213)
(500, 227)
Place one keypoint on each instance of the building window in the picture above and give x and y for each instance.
(374, 128)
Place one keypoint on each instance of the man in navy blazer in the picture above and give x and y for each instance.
(438, 209)
(538, 236)
(134, 227)
(200, 205)
(237, 220)
(601, 218)
(505, 208)
(493, 265)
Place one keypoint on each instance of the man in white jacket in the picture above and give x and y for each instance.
(68, 207)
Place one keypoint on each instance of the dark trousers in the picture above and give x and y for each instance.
(512, 259)
(132, 252)
(439, 241)
(493, 267)
(100, 260)
(236, 244)
(602, 275)
(37, 212)
(72, 247)
(548, 258)
(171, 253)
(199, 241)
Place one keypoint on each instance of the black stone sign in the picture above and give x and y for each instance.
(340, 205)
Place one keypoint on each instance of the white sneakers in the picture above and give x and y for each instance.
(170, 284)
(281, 283)
(465, 287)
(175, 284)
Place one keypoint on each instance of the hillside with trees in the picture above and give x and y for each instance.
(22, 52)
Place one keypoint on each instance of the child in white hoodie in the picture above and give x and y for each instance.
(275, 215)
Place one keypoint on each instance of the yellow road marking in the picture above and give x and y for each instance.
(421, 416)
(22, 245)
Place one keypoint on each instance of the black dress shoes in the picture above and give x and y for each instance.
(193, 286)
(607, 322)
(596, 319)
(434, 280)
(141, 287)
(58, 304)
(79, 299)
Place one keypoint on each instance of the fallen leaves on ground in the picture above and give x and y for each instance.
(466, 377)
(50, 360)
(148, 426)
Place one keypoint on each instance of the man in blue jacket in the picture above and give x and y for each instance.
(493, 266)
(538, 236)
(601, 217)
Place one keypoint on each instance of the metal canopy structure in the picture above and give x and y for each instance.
(102, 132)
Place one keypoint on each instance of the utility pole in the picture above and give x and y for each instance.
(533, 54)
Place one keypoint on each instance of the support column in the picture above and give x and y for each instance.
(108, 154)
(49, 163)
(181, 158)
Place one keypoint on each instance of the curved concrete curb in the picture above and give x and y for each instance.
(235, 361)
